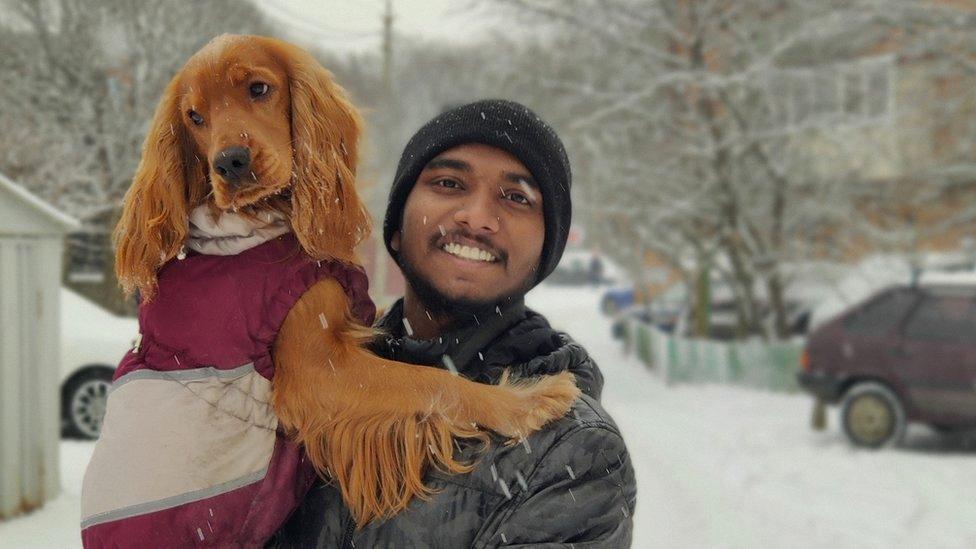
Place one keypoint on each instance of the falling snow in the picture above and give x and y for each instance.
(505, 490)
(449, 364)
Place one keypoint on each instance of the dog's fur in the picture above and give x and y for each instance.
(372, 425)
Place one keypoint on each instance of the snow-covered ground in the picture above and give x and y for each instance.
(55, 525)
(722, 466)
(716, 466)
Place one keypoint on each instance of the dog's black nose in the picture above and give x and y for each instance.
(234, 165)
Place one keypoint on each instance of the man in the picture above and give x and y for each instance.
(479, 213)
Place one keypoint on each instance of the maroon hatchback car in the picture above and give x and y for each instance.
(906, 354)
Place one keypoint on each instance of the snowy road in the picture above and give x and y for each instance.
(716, 466)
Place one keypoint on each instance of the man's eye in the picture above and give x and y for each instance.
(195, 117)
(447, 183)
(518, 197)
(259, 89)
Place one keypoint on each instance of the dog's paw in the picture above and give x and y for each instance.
(537, 402)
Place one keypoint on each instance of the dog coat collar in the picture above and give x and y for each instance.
(232, 233)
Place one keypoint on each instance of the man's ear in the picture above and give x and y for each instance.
(395, 241)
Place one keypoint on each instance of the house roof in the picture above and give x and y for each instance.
(49, 212)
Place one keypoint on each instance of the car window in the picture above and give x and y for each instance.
(880, 315)
(943, 318)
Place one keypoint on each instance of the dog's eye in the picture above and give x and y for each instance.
(259, 89)
(195, 117)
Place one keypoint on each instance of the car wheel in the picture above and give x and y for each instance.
(84, 402)
(872, 415)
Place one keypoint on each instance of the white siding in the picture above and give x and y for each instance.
(31, 237)
(29, 352)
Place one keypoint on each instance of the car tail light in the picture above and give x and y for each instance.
(805, 361)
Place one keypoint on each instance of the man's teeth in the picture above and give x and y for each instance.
(467, 252)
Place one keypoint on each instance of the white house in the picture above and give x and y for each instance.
(31, 237)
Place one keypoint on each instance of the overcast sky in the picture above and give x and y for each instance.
(356, 25)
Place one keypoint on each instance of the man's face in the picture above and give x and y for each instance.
(472, 229)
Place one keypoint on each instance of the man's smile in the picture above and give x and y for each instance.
(468, 252)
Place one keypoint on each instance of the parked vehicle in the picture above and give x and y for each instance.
(93, 341)
(663, 312)
(617, 299)
(638, 313)
(906, 354)
(723, 320)
(576, 268)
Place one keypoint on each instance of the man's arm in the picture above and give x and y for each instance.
(583, 493)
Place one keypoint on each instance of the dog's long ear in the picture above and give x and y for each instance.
(154, 223)
(328, 217)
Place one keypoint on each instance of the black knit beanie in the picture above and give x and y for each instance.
(508, 126)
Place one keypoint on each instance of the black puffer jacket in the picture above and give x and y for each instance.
(571, 484)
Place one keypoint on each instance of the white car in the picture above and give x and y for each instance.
(93, 341)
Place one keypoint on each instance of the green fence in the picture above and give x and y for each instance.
(752, 363)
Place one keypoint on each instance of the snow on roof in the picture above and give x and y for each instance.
(37, 204)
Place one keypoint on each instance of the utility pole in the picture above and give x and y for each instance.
(388, 50)
(379, 247)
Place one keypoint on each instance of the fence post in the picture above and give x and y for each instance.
(643, 347)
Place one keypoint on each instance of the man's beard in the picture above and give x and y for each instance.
(462, 310)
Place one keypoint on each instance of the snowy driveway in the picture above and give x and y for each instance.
(716, 466)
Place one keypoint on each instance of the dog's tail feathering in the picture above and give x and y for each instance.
(378, 461)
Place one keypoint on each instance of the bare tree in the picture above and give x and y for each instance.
(728, 134)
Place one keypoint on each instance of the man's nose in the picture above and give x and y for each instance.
(478, 214)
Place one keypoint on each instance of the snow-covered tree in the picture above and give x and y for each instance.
(727, 134)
